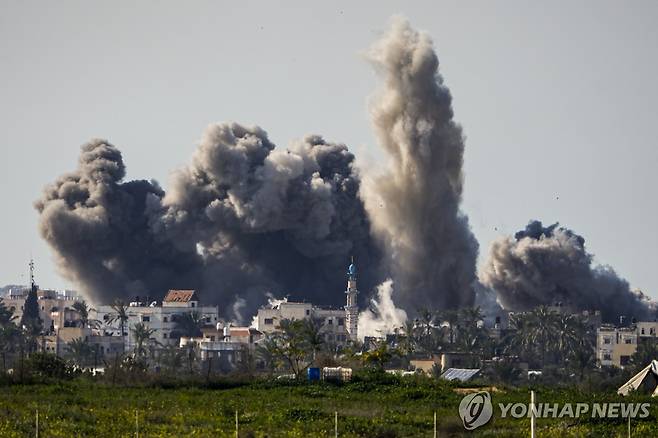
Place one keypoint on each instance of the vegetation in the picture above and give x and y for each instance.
(174, 392)
(372, 405)
(120, 315)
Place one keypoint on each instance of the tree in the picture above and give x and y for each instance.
(449, 321)
(31, 322)
(572, 340)
(647, 350)
(80, 351)
(290, 345)
(311, 330)
(408, 342)
(427, 331)
(82, 308)
(188, 325)
(171, 357)
(379, 357)
(535, 334)
(472, 334)
(9, 333)
(121, 315)
(142, 335)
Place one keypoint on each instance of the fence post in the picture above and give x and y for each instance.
(136, 424)
(37, 424)
(336, 424)
(532, 414)
(434, 424)
(629, 426)
(236, 424)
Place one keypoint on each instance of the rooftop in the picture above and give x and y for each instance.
(180, 296)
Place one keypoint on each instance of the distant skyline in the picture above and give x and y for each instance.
(557, 102)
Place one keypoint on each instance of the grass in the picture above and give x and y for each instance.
(366, 408)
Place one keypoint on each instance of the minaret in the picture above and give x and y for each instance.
(352, 309)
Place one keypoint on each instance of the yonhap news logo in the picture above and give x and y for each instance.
(476, 410)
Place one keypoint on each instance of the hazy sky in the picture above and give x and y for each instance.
(558, 101)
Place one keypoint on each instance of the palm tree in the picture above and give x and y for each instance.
(449, 321)
(472, 335)
(311, 330)
(188, 325)
(571, 336)
(83, 312)
(121, 315)
(408, 343)
(142, 334)
(79, 350)
(535, 334)
(9, 333)
(427, 332)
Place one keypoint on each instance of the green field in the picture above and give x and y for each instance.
(385, 407)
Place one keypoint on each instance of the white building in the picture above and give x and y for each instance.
(54, 306)
(615, 345)
(337, 325)
(161, 318)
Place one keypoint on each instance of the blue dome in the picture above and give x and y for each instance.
(351, 269)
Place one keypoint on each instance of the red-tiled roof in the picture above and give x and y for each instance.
(180, 296)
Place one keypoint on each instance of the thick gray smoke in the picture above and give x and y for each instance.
(99, 229)
(550, 265)
(241, 220)
(414, 204)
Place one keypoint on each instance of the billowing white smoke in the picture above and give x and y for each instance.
(382, 317)
(414, 204)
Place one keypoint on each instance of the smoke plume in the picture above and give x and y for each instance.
(382, 316)
(241, 220)
(550, 265)
(245, 220)
(414, 204)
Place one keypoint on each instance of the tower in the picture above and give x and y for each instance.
(351, 307)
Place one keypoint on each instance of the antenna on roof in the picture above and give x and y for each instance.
(32, 283)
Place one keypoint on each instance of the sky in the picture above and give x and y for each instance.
(558, 101)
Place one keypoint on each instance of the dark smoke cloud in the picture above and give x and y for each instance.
(246, 221)
(243, 219)
(414, 204)
(549, 265)
(98, 227)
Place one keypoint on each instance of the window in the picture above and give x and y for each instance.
(652, 331)
(164, 336)
(330, 321)
(165, 319)
(642, 330)
(341, 321)
(606, 340)
(607, 356)
(193, 304)
(269, 321)
(308, 312)
(628, 340)
(146, 318)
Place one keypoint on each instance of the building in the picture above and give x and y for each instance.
(225, 346)
(646, 330)
(615, 345)
(102, 346)
(338, 325)
(332, 321)
(159, 317)
(55, 307)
